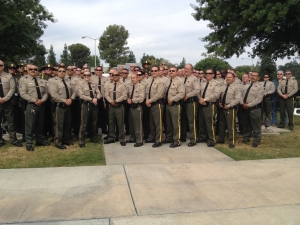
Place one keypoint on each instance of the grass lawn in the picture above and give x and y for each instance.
(285, 145)
(50, 156)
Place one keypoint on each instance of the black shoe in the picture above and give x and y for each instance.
(130, 141)
(280, 126)
(150, 141)
(254, 145)
(220, 142)
(210, 144)
(191, 144)
(68, 143)
(29, 148)
(245, 141)
(81, 145)
(138, 144)
(231, 145)
(198, 140)
(156, 145)
(123, 143)
(291, 128)
(105, 138)
(174, 145)
(16, 143)
(60, 146)
(43, 143)
(167, 141)
(109, 141)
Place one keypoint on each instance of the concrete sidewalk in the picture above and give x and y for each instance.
(197, 185)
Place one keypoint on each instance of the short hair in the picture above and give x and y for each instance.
(155, 66)
(230, 73)
(125, 69)
(190, 65)
(280, 71)
(116, 71)
(137, 67)
(288, 70)
(100, 67)
(173, 67)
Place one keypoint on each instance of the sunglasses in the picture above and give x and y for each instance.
(139, 74)
(86, 75)
(136, 70)
(115, 75)
(288, 73)
(218, 74)
(266, 77)
(172, 70)
(61, 71)
(110, 74)
(153, 70)
(124, 73)
(98, 70)
(1, 65)
(279, 74)
(78, 70)
(210, 73)
(33, 69)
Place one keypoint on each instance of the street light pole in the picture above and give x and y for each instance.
(252, 62)
(95, 39)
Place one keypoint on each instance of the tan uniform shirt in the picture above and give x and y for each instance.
(84, 91)
(291, 89)
(232, 97)
(8, 85)
(176, 90)
(192, 86)
(121, 91)
(138, 94)
(269, 88)
(221, 81)
(157, 90)
(28, 91)
(255, 95)
(212, 91)
(58, 91)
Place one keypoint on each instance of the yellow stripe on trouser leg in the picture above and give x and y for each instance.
(213, 122)
(195, 137)
(179, 130)
(160, 123)
(232, 125)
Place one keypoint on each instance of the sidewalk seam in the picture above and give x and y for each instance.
(130, 191)
(25, 208)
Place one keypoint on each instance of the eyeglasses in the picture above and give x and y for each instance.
(279, 74)
(288, 73)
(218, 74)
(98, 70)
(136, 70)
(210, 73)
(61, 71)
(115, 75)
(85, 75)
(33, 69)
(1, 65)
(110, 74)
(139, 74)
(124, 73)
(172, 70)
(153, 70)
(266, 77)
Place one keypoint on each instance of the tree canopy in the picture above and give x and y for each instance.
(79, 54)
(51, 56)
(22, 24)
(113, 45)
(65, 57)
(270, 27)
(212, 63)
(267, 66)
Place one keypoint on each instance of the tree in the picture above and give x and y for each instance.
(51, 57)
(65, 57)
(182, 64)
(155, 61)
(270, 27)
(213, 63)
(38, 58)
(79, 54)
(91, 61)
(267, 66)
(112, 45)
(131, 58)
(22, 24)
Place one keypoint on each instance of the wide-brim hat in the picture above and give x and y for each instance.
(146, 63)
(48, 66)
(11, 66)
(20, 65)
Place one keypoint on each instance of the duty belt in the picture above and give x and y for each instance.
(208, 103)
(191, 99)
(159, 101)
(135, 105)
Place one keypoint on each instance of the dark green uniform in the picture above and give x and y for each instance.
(175, 92)
(227, 116)
(289, 87)
(116, 113)
(137, 96)
(34, 115)
(88, 111)
(251, 116)
(62, 113)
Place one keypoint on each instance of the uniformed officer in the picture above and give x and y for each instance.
(62, 94)
(286, 90)
(127, 81)
(34, 90)
(100, 81)
(116, 94)
(251, 97)
(269, 89)
(228, 101)
(135, 100)
(7, 89)
(174, 93)
(146, 66)
(89, 95)
(154, 100)
(209, 93)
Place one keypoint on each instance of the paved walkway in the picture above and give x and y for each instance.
(197, 185)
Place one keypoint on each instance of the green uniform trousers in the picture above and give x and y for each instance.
(156, 123)
(288, 105)
(267, 107)
(191, 113)
(62, 124)
(116, 116)
(136, 123)
(6, 111)
(34, 122)
(207, 122)
(88, 111)
(227, 121)
(173, 123)
(251, 119)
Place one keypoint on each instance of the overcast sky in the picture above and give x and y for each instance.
(163, 28)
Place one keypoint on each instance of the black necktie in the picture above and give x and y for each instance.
(150, 89)
(37, 89)
(67, 90)
(286, 87)
(247, 92)
(265, 84)
(185, 80)
(167, 95)
(203, 95)
(1, 89)
(132, 92)
(115, 94)
(99, 84)
(91, 90)
(224, 96)
(124, 80)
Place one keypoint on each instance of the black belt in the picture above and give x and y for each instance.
(191, 99)
(135, 105)
(255, 107)
(175, 103)
(62, 104)
(159, 101)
